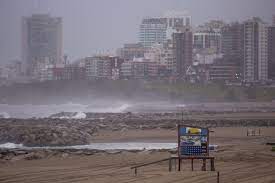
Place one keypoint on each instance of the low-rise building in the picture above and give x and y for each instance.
(223, 71)
(98, 67)
(131, 51)
(45, 73)
(207, 40)
(206, 59)
(161, 54)
(139, 69)
(103, 67)
(126, 71)
(73, 72)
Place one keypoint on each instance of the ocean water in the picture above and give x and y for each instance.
(42, 111)
(108, 146)
(102, 146)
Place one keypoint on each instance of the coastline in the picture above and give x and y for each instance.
(237, 155)
(247, 158)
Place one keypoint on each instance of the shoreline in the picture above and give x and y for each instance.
(237, 155)
(118, 127)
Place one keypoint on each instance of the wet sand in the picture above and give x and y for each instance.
(238, 158)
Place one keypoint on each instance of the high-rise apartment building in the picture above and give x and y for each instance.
(255, 51)
(159, 29)
(177, 19)
(41, 41)
(271, 52)
(233, 42)
(152, 30)
(183, 52)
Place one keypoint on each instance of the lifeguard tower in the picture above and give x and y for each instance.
(193, 144)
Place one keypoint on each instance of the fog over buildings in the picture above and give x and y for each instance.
(101, 25)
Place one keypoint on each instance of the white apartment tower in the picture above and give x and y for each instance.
(159, 29)
(152, 30)
(255, 51)
(177, 19)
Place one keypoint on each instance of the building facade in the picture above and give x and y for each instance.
(178, 19)
(182, 52)
(139, 69)
(271, 52)
(223, 71)
(255, 51)
(14, 70)
(152, 30)
(207, 40)
(131, 51)
(159, 29)
(233, 43)
(103, 67)
(98, 67)
(162, 54)
(41, 40)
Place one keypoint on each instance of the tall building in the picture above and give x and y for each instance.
(178, 19)
(233, 43)
(183, 52)
(41, 40)
(158, 29)
(255, 51)
(152, 30)
(271, 52)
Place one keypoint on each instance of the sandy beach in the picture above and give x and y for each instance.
(238, 158)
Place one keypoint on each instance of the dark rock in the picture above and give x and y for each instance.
(34, 156)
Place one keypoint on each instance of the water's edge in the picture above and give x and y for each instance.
(100, 146)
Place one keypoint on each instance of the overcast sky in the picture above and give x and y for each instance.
(94, 25)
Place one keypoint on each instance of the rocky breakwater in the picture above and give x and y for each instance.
(70, 132)
(46, 132)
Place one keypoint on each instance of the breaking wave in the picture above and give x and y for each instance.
(4, 115)
(76, 115)
(11, 146)
(43, 111)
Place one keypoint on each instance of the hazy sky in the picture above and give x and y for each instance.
(94, 25)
